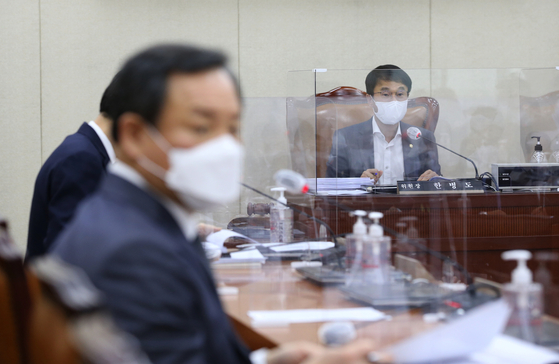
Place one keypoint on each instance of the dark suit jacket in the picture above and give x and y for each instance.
(158, 285)
(353, 152)
(71, 173)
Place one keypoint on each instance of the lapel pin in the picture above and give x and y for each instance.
(411, 145)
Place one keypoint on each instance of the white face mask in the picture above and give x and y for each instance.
(205, 176)
(392, 112)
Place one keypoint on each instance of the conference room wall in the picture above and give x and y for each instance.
(20, 110)
(61, 54)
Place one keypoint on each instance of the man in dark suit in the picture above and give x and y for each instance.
(71, 173)
(176, 118)
(379, 148)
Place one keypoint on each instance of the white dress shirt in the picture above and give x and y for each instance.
(106, 142)
(389, 157)
(187, 221)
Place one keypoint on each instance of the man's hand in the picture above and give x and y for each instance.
(353, 353)
(308, 353)
(373, 174)
(204, 230)
(294, 352)
(427, 175)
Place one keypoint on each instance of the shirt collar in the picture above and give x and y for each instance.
(106, 142)
(187, 221)
(376, 129)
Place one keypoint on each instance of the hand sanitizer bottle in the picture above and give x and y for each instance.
(525, 299)
(376, 253)
(538, 156)
(281, 220)
(354, 248)
(555, 150)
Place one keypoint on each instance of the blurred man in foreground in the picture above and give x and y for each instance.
(379, 148)
(71, 173)
(176, 119)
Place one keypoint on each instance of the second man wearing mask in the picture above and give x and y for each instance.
(378, 147)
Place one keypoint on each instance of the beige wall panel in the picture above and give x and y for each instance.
(20, 143)
(84, 43)
(278, 36)
(494, 33)
(500, 36)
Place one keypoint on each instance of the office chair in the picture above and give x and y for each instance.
(50, 313)
(344, 106)
(15, 302)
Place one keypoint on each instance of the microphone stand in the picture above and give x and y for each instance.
(451, 151)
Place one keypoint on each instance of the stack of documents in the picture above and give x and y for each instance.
(286, 317)
(338, 183)
(337, 186)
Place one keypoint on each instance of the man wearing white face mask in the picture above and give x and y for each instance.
(176, 120)
(378, 148)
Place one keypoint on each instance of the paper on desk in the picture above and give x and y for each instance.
(248, 254)
(315, 315)
(342, 192)
(351, 183)
(509, 350)
(218, 238)
(308, 245)
(457, 339)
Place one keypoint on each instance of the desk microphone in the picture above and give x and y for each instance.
(291, 179)
(413, 133)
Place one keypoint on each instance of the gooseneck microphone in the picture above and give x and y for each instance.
(413, 133)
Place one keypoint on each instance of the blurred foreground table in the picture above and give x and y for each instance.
(276, 287)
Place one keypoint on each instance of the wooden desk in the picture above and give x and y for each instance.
(277, 287)
(472, 229)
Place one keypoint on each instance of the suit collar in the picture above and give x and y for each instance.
(90, 134)
(366, 143)
(126, 193)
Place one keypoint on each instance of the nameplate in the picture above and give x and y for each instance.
(440, 186)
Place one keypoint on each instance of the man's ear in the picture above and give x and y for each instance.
(131, 135)
(371, 103)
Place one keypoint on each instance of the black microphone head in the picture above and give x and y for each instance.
(413, 133)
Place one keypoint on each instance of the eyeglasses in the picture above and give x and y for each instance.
(386, 96)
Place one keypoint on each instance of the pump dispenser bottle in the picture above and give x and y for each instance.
(538, 156)
(554, 147)
(354, 246)
(281, 219)
(525, 299)
(375, 262)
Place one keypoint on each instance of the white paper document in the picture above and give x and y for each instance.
(457, 339)
(308, 245)
(509, 350)
(323, 184)
(316, 315)
(342, 192)
(248, 254)
(218, 238)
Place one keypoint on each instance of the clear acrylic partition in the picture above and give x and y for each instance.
(486, 115)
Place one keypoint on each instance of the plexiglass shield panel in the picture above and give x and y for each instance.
(443, 244)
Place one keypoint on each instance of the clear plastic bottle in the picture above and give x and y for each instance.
(538, 156)
(354, 248)
(376, 253)
(281, 220)
(525, 299)
(554, 147)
